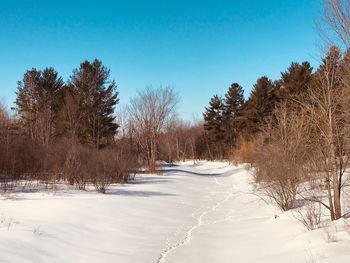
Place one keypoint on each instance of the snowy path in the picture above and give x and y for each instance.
(193, 213)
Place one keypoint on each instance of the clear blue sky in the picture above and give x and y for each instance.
(198, 47)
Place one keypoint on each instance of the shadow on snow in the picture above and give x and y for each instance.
(137, 193)
(172, 169)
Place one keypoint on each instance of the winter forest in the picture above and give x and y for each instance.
(276, 160)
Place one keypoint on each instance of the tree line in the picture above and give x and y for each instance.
(231, 121)
(80, 110)
(64, 131)
(293, 131)
(73, 131)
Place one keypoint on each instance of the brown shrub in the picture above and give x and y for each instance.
(63, 161)
(244, 154)
(281, 156)
(309, 215)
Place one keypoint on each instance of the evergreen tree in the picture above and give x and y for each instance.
(37, 103)
(260, 105)
(295, 80)
(233, 114)
(52, 86)
(97, 98)
(27, 101)
(213, 127)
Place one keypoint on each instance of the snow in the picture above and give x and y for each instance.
(193, 213)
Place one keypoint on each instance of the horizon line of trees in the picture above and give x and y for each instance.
(80, 110)
(232, 119)
(64, 131)
(72, 131)
(294, 131)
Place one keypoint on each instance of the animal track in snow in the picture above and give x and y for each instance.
(199, 223)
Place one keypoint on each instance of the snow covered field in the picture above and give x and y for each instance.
(193, 213)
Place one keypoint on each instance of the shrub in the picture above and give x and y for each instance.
(309, 215)
(281, 157)
(244, 154)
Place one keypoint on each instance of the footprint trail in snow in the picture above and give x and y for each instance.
(228, 194)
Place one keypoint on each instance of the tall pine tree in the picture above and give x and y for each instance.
(37, 103)
(213, 127)
(260, 105)
(97, 98)
(233, 115)
(296, 80)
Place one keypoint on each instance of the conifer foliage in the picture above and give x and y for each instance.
(223, 122)
(233, 115)
(84, 107)
(260, 105)
(233, 120)
(65, 131)
(213, 127)
(97, 96)
(37, 103)
(295, 80)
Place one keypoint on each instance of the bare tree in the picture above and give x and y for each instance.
(280, 156)
(179, 141)
(326, 111)
(193, 134)
(149, 112)
(122, 120)
(337, 16)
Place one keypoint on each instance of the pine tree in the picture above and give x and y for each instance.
(233, 114)
(37, 103)
(52, 86)
(260, 105)
(213, 127)
(27, 101)
(97, 98)
(295, 80)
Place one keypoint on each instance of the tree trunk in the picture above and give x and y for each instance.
(330, 199)
(335, 186)
(333, 164)
(152, 155)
